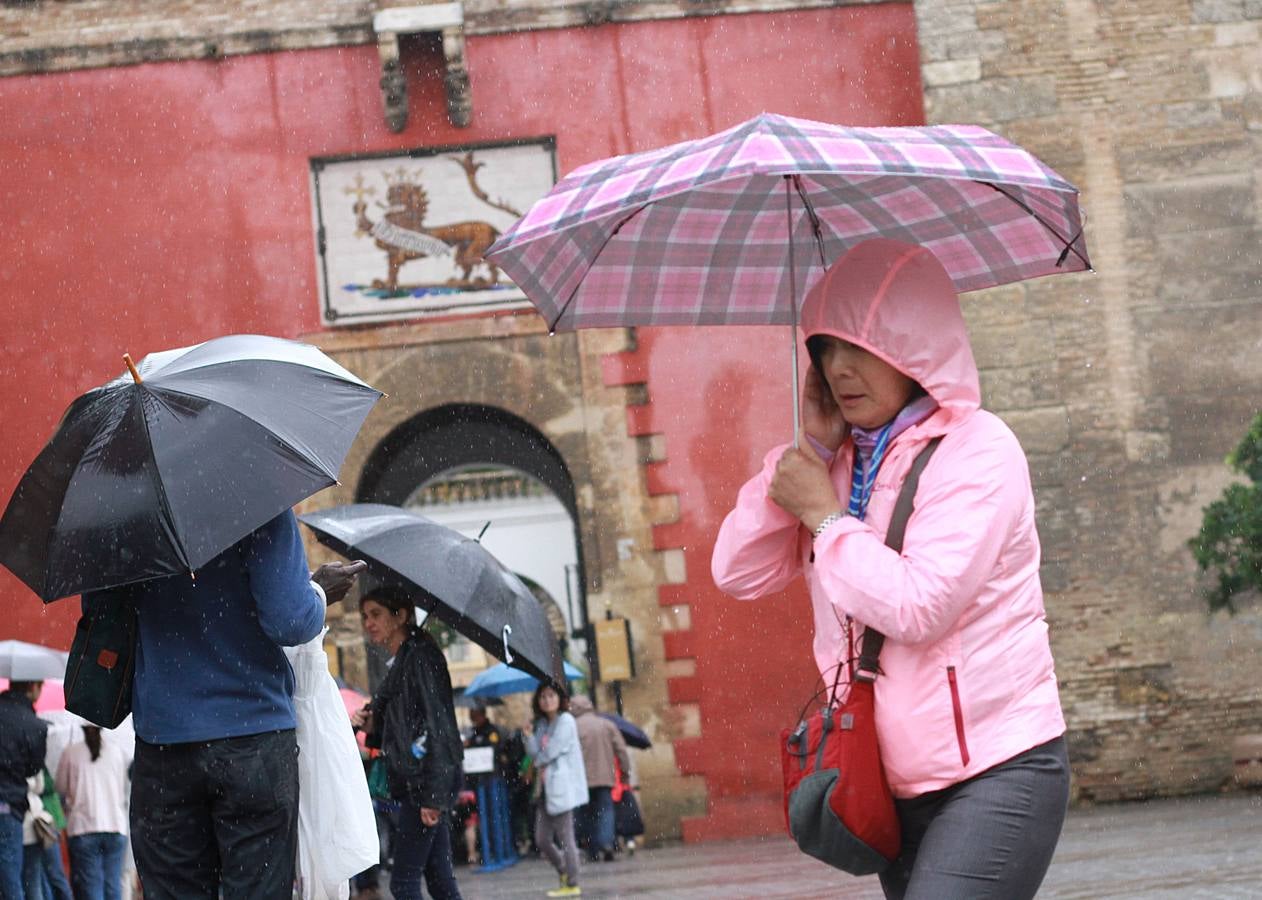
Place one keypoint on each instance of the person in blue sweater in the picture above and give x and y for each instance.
(214, 800)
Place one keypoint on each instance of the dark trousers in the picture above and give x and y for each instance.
(594, 822)
(12, 855)
(988, 838)
(421, 850)
(216, 815)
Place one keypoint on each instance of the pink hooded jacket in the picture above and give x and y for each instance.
(967, 677)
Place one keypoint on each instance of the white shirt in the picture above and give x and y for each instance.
(93, 793)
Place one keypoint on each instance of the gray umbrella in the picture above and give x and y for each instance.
(451, 576)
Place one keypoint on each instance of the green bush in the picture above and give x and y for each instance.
(1229, 545)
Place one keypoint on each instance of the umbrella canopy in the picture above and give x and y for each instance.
(476, 702)
(20, 661)
(633, 734)
(501, 679)
(165, 467)
(451, 576)
(725, 230)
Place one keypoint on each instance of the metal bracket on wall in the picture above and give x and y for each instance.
(448, 20)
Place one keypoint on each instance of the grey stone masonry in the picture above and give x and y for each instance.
(1128, 387)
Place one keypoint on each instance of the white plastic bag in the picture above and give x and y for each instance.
(337, 834)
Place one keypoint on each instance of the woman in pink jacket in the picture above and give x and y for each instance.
(968, 713)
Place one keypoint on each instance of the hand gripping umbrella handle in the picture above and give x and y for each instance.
(508, 656)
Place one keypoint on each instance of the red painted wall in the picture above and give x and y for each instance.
(160, 205)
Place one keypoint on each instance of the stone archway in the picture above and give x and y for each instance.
(460, 462)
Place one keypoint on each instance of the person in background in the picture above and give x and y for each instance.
(412, 719)
(215, 777)
(627, 819)
(517, 777)
(484, 733)
(55, 883)
(23, 741)
(92, 780)
(558, 762)
(604, 750)
(33, 839)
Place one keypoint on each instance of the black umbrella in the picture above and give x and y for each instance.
(633, 734)
(168, 465)
(452, 576)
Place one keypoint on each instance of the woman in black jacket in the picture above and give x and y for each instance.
(413, 721)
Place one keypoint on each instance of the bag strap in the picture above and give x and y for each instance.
(873, 639)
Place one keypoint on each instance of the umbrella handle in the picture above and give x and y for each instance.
(508, 656)
(131, 367)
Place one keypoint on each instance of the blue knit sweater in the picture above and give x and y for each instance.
(209, 663)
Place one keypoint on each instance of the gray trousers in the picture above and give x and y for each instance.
(564, 861)
(988, 838)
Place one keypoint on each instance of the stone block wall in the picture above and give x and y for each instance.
(1128, 387)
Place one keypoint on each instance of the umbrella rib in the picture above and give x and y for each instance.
(815, 225)
(1068, 243)
(635, 212)
(163, 501)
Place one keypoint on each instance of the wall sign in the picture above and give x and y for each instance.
(615, 660)
(401, 235)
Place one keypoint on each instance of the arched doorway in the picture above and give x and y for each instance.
(473, 466)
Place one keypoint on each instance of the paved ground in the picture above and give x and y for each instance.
(1207, 847)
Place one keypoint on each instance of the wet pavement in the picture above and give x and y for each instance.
(1204, 847)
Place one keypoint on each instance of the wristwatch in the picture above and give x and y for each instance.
(826, 524)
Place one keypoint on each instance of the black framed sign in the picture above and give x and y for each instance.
(402, 234)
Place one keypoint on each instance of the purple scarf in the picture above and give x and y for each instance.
(913, 413)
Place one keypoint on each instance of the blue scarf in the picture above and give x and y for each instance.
(870, 446)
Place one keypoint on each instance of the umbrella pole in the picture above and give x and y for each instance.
(793, 312)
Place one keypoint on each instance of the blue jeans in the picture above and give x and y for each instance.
(96, 865)
(10, 856)
(42, 874)
(422, 850)
(595, 822)
(56, 887)
(988, 838)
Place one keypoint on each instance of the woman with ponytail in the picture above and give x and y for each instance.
(92, 781)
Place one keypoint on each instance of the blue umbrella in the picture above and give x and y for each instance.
(502, 679)
(633, 734)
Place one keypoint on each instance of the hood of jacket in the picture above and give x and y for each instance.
(580, 705)
(896, 301)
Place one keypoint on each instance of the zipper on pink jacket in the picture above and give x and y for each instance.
(959, 715)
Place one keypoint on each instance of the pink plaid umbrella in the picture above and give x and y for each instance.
(723, 230)
(695, 233)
